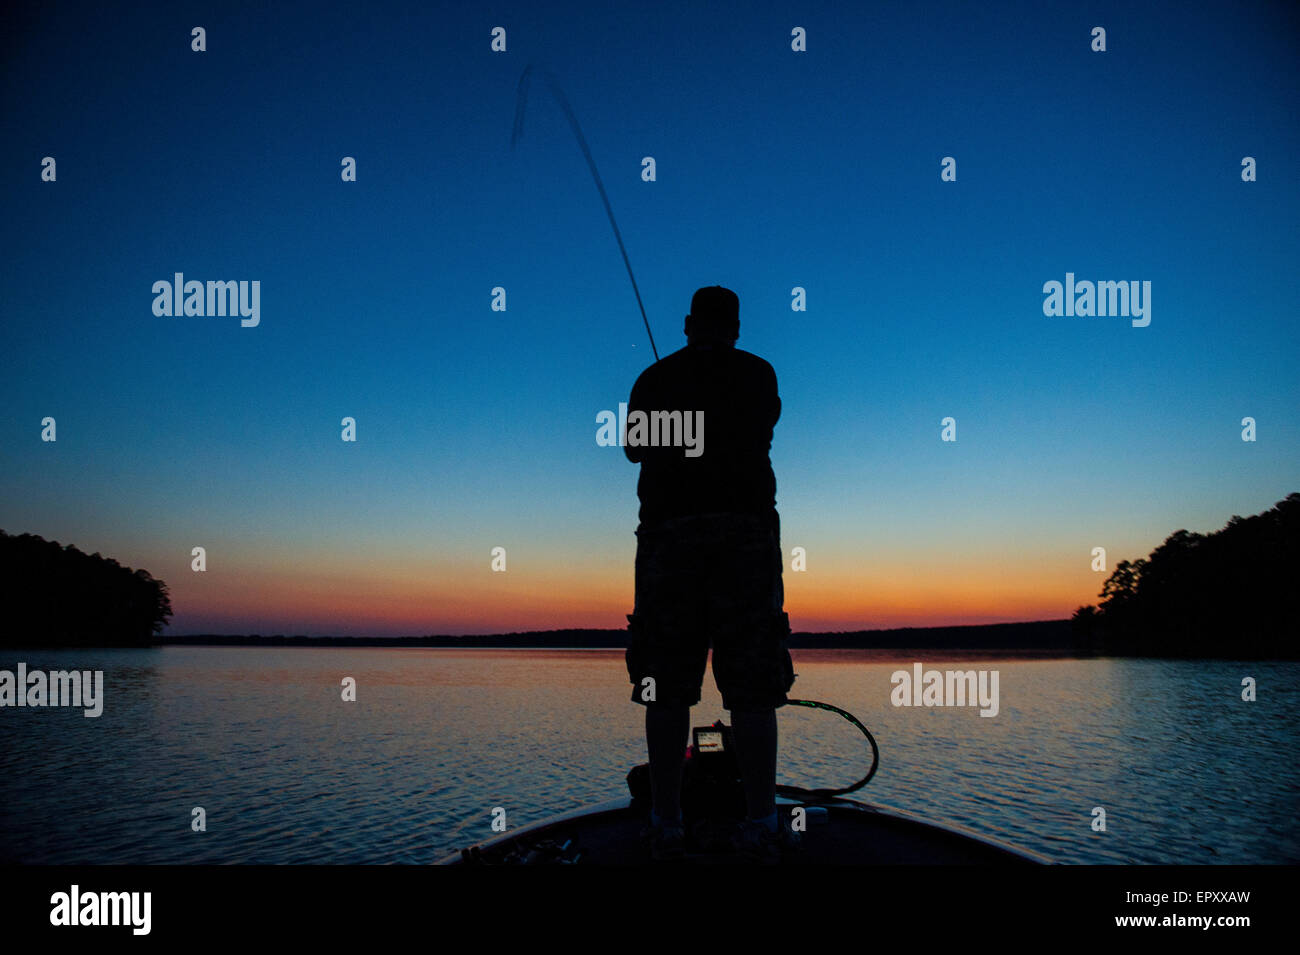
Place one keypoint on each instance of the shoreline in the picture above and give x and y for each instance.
(1044, 636)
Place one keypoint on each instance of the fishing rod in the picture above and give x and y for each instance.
(553, 83)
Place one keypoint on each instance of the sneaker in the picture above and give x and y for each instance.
(667, 841)
(758, 844)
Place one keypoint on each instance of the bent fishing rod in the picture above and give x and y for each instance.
(524, 82)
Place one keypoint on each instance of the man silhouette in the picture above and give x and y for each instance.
(708, 569)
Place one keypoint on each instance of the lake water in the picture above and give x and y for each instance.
(289, 773)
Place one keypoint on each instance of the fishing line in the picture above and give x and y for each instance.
(524, 83)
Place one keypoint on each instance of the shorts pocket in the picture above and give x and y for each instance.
(781, 637)
(635, 657)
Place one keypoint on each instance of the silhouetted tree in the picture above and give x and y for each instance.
(1228, 593)
(59, 596)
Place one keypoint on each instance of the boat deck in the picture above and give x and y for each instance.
(838, 833)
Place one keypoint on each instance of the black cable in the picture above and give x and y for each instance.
(797, 792)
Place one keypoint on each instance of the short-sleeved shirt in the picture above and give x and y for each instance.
(737, 393)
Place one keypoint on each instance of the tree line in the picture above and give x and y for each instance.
(1228, 593)
(57, 596)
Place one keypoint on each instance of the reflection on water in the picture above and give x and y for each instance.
(288, 773)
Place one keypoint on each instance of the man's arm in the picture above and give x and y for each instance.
(775, 400)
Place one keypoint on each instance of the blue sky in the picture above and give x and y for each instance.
(775, 169)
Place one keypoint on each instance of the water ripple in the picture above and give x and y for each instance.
(287, 773)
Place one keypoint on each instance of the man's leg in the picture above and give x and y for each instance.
(671, 645)
(667, 729)
(755, 732)
(750, 656)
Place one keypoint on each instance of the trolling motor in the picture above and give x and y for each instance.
(712, 793)
(711, 786)
(713, 797)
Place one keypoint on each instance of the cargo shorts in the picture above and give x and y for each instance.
(709, 579)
